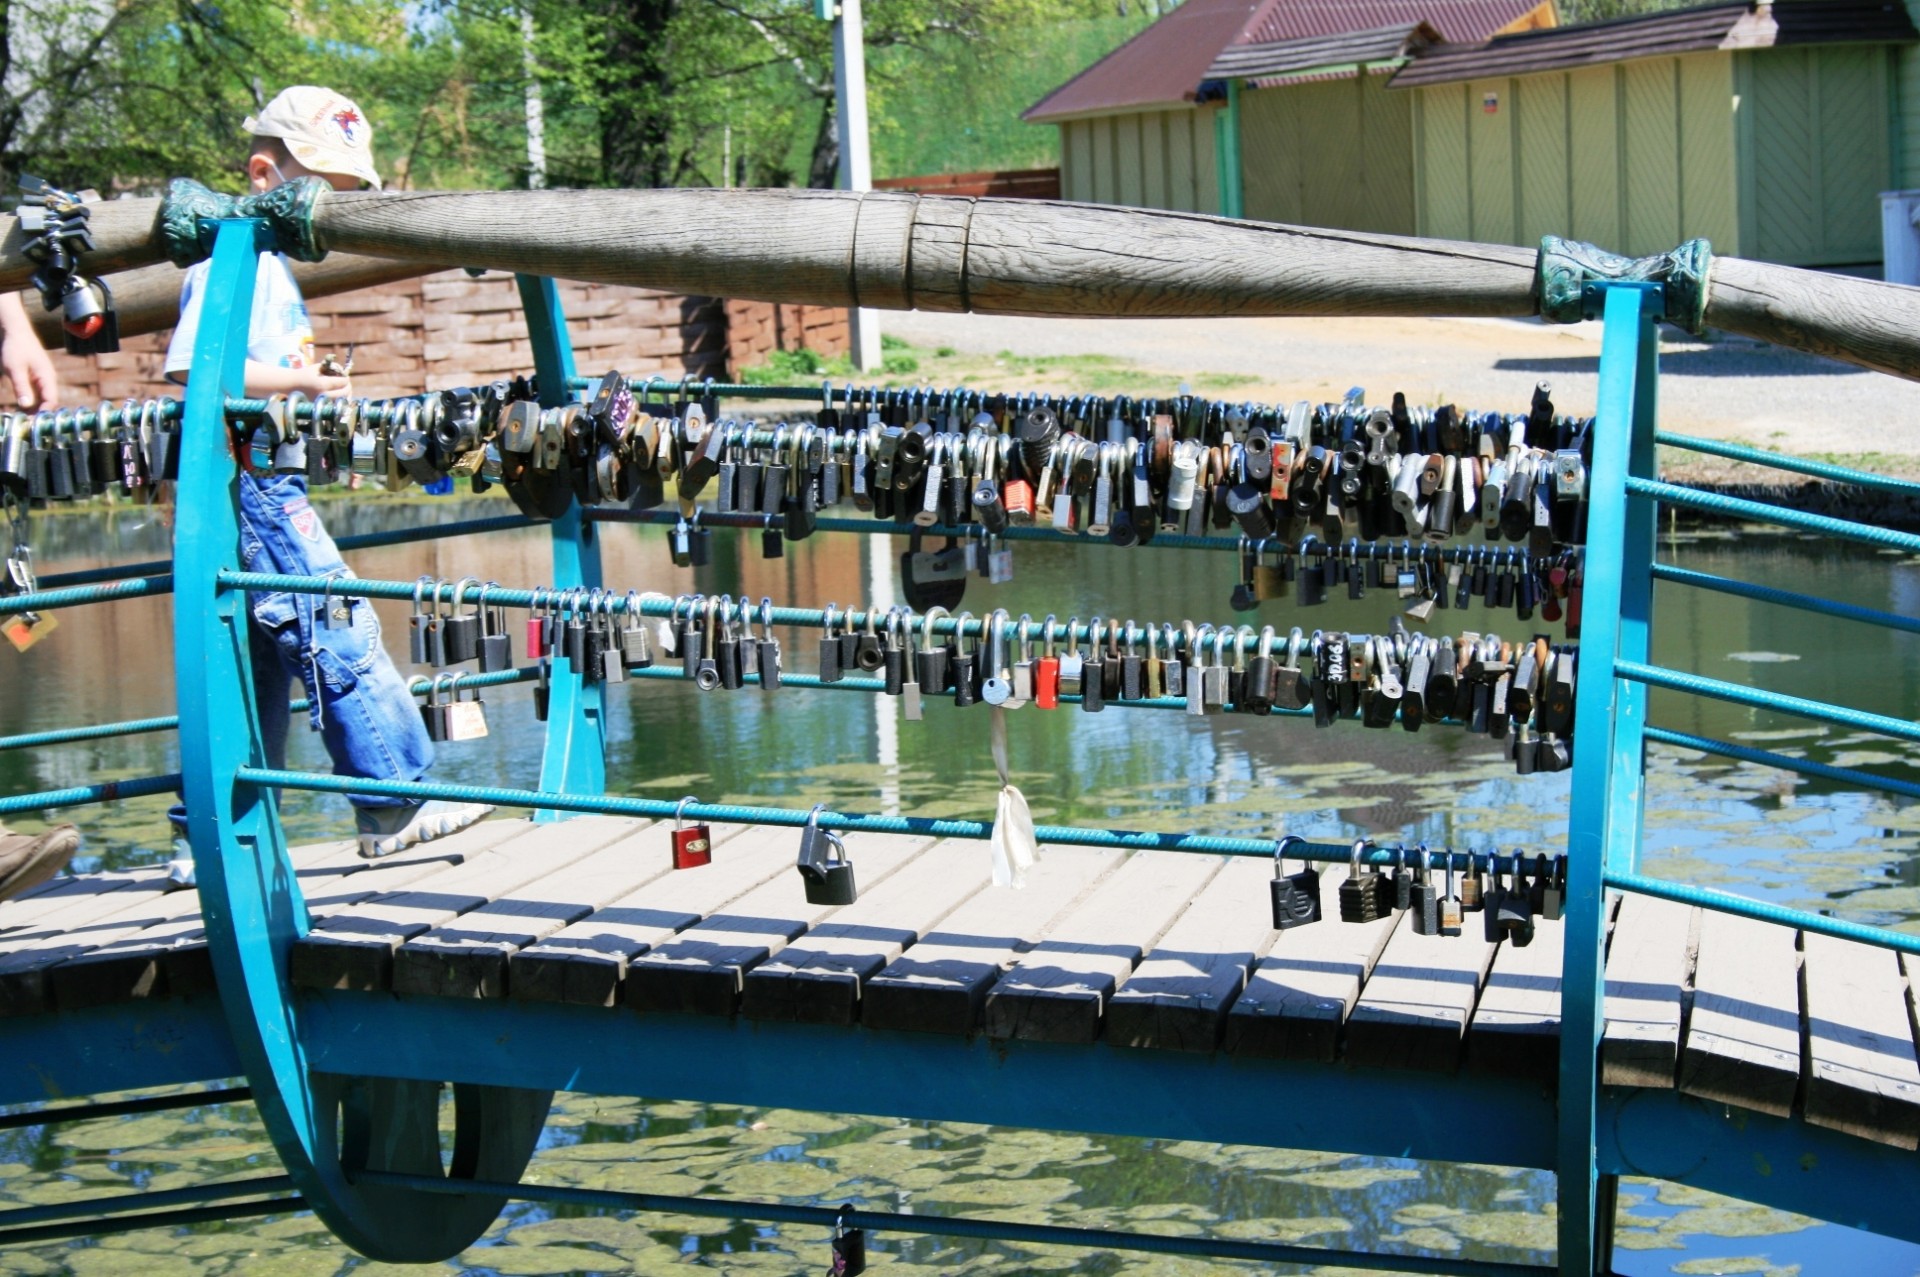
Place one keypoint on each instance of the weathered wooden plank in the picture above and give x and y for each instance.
(1862, 1074)
(1300, 994)
(1515, 1030)
(585, 963)
(187, 968)
(701, 969)
(70, 901)
(1649, 965)
(1058, 990)
(91, 921)
(817, 978)
(1177, 998)
(354, 948)
(1743, 1041)
(940, 984)
(127, 966)
(468, 957)
(1413, 1010)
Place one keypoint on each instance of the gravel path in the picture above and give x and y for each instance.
(1727, 388)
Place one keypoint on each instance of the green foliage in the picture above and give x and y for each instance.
(633, 92)
(787, 367)
(954, 106)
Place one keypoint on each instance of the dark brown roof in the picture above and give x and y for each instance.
(1725, 26)
(1166, 63)
(1455, 20)
(1292, 57)
(1163, 64)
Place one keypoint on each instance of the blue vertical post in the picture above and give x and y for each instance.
(1604, 815)
(575, 758)
(248, 891)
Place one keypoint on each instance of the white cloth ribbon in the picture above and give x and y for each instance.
(1015, 850)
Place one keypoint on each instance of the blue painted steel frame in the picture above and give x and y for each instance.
(1608, 786)
(277, 1036)
(575, 758)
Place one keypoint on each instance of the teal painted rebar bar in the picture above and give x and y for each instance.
(364, 541)
(1760, 911)
(1247, 637)
(1759, 512)
(953, 1226)
(1387, 550)
(1766, 758)
(154, 1219)
(1755, 698)
(81, 795)
(98, 731)
(81, 595)
(793, 818)
(122, 1108)
(419, 686)
(124, 1203)
(1785, 598)
(1781, 461)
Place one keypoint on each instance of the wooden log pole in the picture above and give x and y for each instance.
(147, 299)
(892, 250)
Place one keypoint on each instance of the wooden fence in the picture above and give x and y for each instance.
(450, 329)
(1021, 183)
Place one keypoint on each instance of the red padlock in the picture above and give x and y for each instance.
(1017, 497)
(536, 628)
(1046, 673)
(692, 844)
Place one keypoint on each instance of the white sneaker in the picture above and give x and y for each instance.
(385, 830)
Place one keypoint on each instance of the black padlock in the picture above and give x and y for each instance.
(1296, 897)
(849, 1247)
(825, 868)
(460, 632)
(1425, 898)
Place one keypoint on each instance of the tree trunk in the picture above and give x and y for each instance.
(823, 170)
(636, 83)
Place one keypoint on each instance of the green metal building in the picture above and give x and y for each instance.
(1770, 129)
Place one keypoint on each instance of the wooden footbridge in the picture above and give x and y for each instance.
(1138, 983)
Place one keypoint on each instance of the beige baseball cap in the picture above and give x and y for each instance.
(323, 130)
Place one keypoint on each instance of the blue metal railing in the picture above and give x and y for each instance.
(254, 910)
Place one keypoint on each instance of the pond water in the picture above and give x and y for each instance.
(1762, 833)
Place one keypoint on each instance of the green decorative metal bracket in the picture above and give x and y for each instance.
(190, 212)
(1567, 266)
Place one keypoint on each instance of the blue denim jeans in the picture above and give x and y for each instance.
(358, 701)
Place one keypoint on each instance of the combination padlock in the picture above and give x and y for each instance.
(692, 844)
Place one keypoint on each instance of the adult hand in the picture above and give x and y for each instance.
(36, 385)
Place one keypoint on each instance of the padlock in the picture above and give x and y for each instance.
(1296, 897)
(828, 876)
(1452, 916)
(849, 1247)
(434, 712)
(1424, 900)
(1362, 894)
(466, 719)
(692, 844)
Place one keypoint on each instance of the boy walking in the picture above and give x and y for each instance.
(360, 704)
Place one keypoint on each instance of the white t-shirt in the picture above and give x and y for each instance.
(280, 335)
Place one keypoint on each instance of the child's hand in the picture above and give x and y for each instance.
(317, 384)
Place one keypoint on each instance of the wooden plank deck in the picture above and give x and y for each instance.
(1145, 950)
